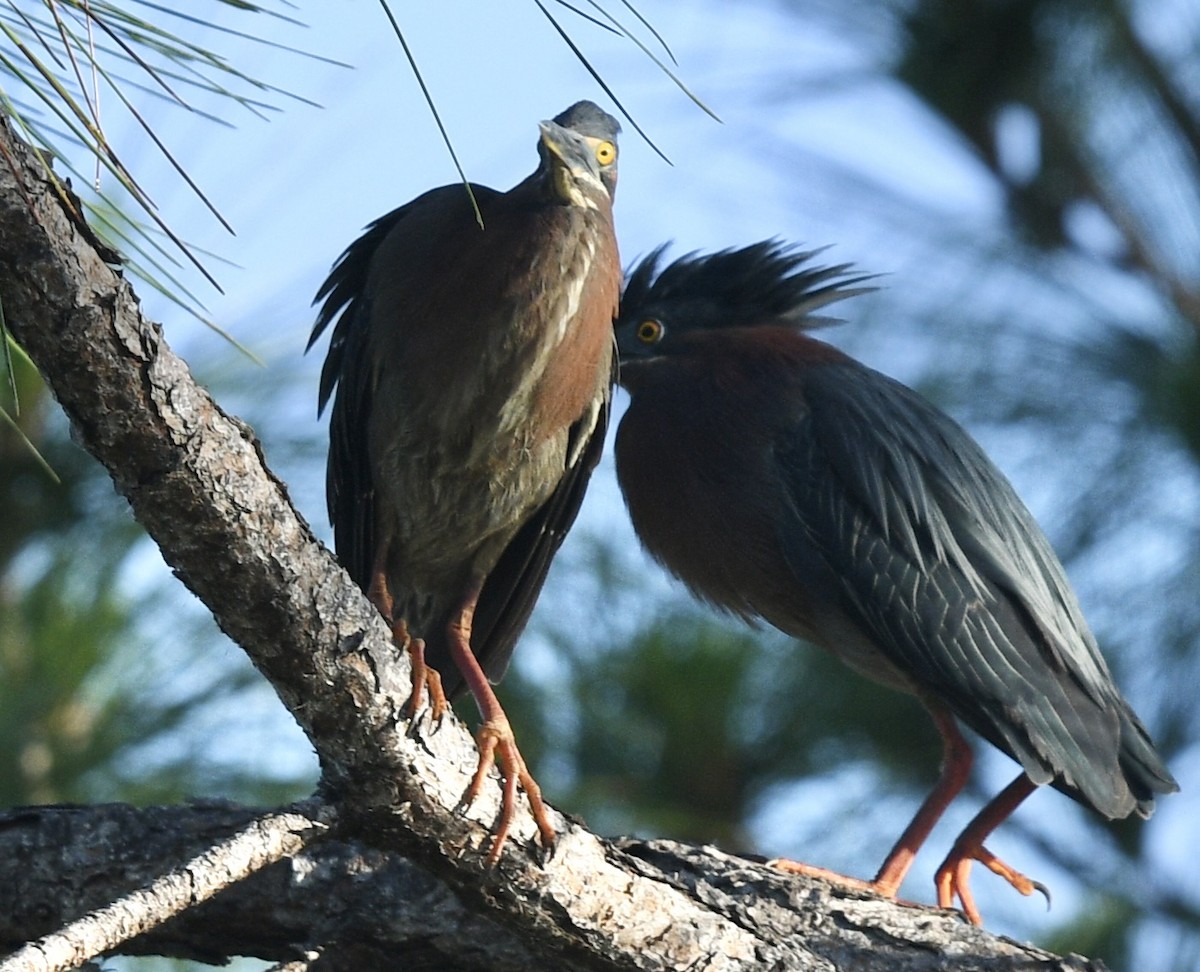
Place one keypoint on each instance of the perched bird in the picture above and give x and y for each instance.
(473, 370)
(781, 480)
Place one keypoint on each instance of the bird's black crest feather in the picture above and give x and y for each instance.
(748, 285)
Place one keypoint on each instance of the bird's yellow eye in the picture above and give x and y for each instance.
(648, 332)
(606, 153)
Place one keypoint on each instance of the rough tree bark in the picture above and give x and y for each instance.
(391, 873)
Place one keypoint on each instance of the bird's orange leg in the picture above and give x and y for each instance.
(423, 677)
(956, 767)
(957, 759)
(497, 744)
(955, 870)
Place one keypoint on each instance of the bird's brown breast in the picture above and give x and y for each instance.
(513, 349)
(684, 451)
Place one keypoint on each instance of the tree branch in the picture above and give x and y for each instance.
(57, 862)
(196, 480)
(263, 841)
(337, 903)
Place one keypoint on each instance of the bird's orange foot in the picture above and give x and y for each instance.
(424, 678)
(884, 888)
(498, 746)
(952, 879)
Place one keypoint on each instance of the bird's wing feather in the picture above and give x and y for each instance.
(512, 587)
(939, 562)
(348, 490)
(346, 304)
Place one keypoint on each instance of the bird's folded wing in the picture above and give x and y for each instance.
(345, 299)
(512, 587)
(936, 559)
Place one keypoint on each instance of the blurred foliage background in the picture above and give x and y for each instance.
(1063, 332)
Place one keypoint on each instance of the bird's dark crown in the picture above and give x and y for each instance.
(765, 283)
(588, 118)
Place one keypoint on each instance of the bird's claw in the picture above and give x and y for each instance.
(498, 746)
(953, 875)
(543, 854)
(415, 722)
(424, 680)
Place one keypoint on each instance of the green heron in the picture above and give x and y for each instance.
(779, 479)
(474, 371)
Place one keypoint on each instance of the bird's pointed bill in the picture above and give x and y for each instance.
(570, 159)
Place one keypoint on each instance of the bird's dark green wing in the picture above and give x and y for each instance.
(346, 304)
(936, 559)
(512, 587)
(349, 492)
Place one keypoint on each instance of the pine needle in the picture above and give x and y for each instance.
(433, 108)
(600, 80)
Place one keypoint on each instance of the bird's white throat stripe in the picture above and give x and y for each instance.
(575, 287)
(579, 177)
(517, 405)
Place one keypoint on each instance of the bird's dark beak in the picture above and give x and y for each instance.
(569, 160)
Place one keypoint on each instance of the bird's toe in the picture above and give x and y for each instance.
(498, 746)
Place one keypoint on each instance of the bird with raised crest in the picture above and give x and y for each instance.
(782, 480)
